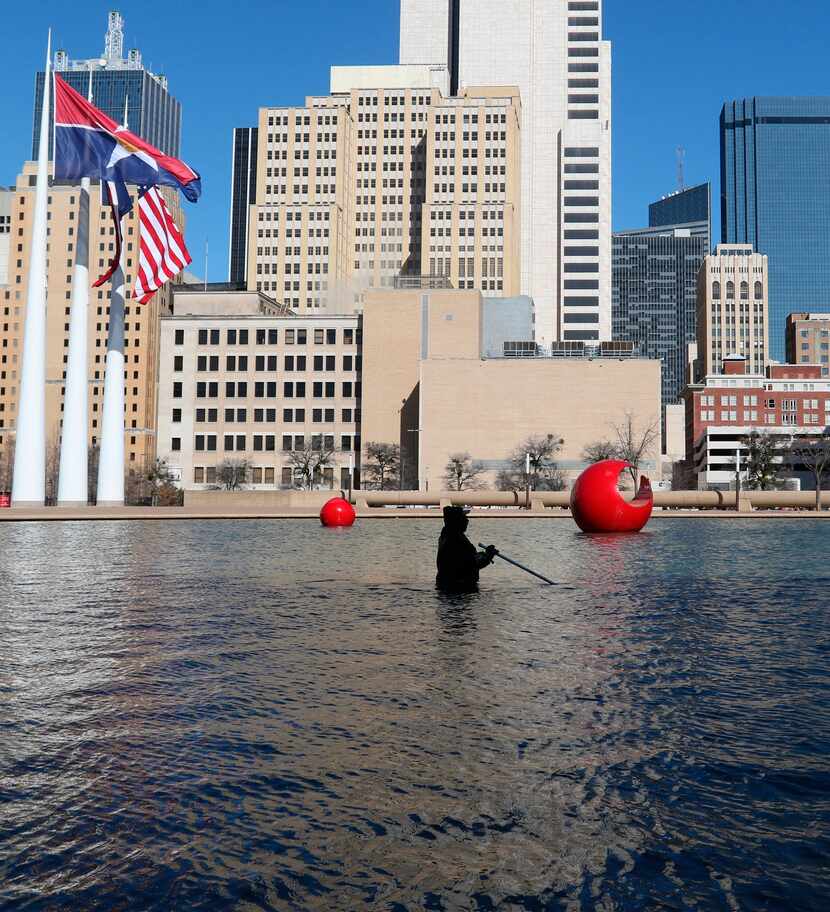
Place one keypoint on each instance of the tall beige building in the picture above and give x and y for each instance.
(554, 52)
(732, 309)
(141, 322)
(386, 178)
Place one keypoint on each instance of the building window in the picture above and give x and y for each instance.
(179, 337)
(759, 291)
(730, 291)
(716, 291)
(176, 444)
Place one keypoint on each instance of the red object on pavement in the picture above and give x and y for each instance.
(337, 512)
(5, 499)
(598, 506)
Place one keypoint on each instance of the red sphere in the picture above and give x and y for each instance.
(598, 506)
(337, 512)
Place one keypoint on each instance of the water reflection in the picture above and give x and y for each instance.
(265, 715)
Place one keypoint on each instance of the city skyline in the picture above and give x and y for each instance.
(688, 109)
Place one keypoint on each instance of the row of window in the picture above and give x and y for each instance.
(266, 475)
(209, 363)
(271, 336)
(730, 291)
(268, 390)
(269, 415)
(267, 443)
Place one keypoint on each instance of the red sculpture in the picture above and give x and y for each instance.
(337, 512)
(598, 506)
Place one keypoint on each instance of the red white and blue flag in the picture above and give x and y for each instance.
(90, 144)
(162, 251)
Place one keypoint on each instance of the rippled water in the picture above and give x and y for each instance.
(270, 715)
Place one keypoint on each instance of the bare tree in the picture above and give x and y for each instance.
(633, 444)
(7, 465)
(545, 474)
(233, 474)
(600, 451)
(53, 464)
(462, 474)
(93, 457)
(309, 463)
(382, 467)
(812, 456)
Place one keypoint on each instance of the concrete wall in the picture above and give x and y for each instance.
(488, 407)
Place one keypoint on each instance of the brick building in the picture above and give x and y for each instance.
(788, 401)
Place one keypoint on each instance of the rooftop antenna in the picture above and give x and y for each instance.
(681, 162)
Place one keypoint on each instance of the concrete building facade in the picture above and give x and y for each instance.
(440, 393)
(808, 340)
(241, 377)
(141, 322)
(732, 309)
(785, 402)
(359, 188)
(555, 55)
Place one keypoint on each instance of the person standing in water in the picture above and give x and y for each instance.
(458, 559)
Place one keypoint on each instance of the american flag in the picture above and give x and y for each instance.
(162, 251)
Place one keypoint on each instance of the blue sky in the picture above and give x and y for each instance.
(674, 64)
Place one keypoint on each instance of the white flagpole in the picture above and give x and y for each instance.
(111, 457)
(73, 480)
(29, 485)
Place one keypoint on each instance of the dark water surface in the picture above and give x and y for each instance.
(270, 715)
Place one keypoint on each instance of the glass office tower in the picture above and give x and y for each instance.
(654, 298)
(775, 195)
(243, 196)
(153, 113)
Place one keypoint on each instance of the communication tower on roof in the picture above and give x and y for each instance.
(681, 162)
(114, 39)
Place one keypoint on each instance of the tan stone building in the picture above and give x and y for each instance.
(386, 177)
(141, 323)
(243, 378)
(446, 371)
(732, 309)
(808, 340)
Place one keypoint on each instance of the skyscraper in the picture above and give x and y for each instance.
(153, 113)
(243, 196)
(383, 181)
(655, 298)
(554, 54)
(775, 195)
(690, 208)
(732, 310)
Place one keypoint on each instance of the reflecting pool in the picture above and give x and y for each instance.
(271, 715)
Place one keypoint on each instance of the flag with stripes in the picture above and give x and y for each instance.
(162, 251)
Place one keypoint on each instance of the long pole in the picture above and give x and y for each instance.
(73, 477)
(522, 567)
(111, 456)
(527, 481)
(29, 485)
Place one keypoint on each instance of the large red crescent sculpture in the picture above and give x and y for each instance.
(598, 506)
